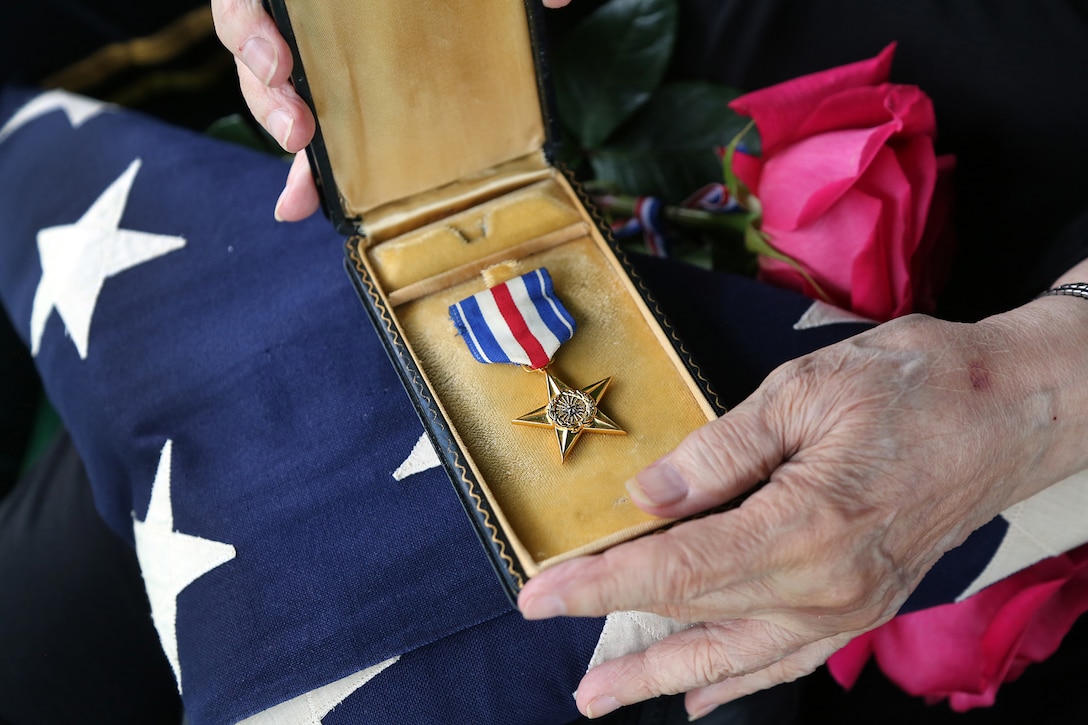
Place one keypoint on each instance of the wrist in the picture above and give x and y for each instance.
(1040, 352)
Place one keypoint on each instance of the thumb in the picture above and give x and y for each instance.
(713, 465)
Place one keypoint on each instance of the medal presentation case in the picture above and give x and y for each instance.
(432, 152)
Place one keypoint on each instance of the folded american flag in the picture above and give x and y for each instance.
(306, 559)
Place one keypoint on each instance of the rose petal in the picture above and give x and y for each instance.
(944, 650)
(917, 168)
(850, 108)
(907, 106)
(748, 169)
(964, 651)
(783, 275)
(882, 282)
(806, 179)
(826, 246)
(781, 109)
(871, 292)
(919, 164)
(846, 664)
(913, 109)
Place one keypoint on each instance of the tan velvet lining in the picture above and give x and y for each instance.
(487, 265)
(412, 96)
(552, 510)
(471, 235)
(406, 215)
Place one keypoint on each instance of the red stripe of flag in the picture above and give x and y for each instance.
(510, 312)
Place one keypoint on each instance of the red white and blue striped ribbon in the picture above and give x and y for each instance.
(648, 218)
(712, 197)
(648, 213)
(520, 321)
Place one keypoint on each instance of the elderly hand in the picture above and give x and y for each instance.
(880, 454)
(264, 71)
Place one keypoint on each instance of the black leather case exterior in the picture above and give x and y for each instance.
(496, 543)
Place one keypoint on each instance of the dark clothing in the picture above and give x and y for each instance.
(76, 640)
(42, 37)
(19, 393)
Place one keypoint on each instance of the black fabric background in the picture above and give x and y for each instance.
(43, 36)
(76, 640)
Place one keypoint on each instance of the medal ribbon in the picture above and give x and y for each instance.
(520, 322)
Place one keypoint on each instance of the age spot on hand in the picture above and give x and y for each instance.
(979, 376)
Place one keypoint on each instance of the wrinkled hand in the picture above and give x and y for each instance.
(264, 71)
(881, 453)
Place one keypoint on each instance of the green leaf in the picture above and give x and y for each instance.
(667, 148)
(608, 66)
(737, 189)
(700, 255)
(729, 257)
(46, 425)
(236, 129)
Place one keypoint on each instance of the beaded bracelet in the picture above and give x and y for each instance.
(1075, 289)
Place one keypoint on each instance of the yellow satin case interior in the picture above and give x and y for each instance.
(438, 148)
(551, 510)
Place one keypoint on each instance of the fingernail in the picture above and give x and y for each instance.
(601, 706)
(260, 57)
(279, 203)
(658, 485)
(280, 124)
(699, 714)
(544, 607)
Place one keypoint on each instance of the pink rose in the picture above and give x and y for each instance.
(964, 651)
(847, 184)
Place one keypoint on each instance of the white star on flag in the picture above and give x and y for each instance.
(78, 108)
(77, 258)
(422, 458)
(170, 560)
(311, 707)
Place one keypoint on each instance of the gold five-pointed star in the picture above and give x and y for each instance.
(571, 412)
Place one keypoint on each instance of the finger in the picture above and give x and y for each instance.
(664, 573)
(248, 32)
(704, 700)
(556, 3)
(713, 465)
(695, 658)
(299, 198)
(280, 111)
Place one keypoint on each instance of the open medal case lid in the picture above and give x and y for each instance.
(431, 152)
